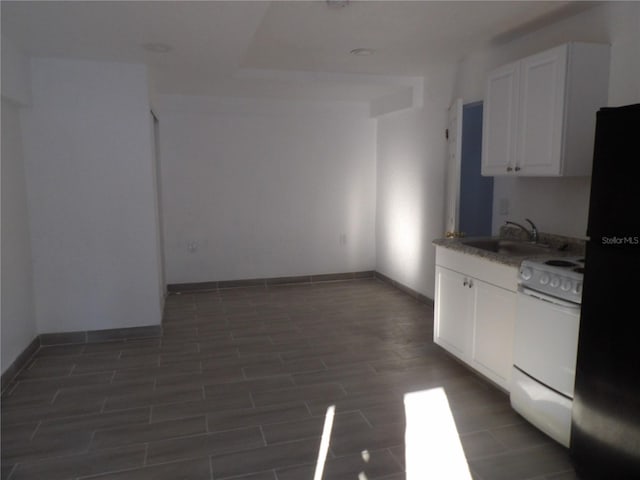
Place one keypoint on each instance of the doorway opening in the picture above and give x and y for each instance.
(476, 191)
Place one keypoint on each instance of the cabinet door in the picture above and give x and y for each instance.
(541, 115)
(494, 311)
(500, 121)
(453, 326)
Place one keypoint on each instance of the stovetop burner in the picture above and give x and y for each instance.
(560, 263)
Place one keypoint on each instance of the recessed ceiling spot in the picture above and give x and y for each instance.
(157, 47)
(362, 52)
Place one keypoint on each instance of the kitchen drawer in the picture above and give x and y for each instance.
(504, 276)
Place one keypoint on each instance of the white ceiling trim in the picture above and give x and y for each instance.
(396, 92)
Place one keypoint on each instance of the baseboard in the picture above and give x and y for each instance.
(408, 290)
(95, 336)
(178, 288)
(19, 363)
(74, 338)
(175, 288)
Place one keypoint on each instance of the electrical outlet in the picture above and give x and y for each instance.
(192, 246)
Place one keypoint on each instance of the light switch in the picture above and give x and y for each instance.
(503, 206)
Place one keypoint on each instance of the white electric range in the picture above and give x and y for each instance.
(546, 343)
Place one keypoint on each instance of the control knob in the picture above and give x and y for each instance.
(555, 281)
(544, 278)
(526, 273)
(566, 285)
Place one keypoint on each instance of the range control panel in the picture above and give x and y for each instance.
(557, 277)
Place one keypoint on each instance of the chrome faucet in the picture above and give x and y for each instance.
(533, 233)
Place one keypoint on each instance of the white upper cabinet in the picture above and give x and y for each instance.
(540, 112)
(500, 120)
(542, 95)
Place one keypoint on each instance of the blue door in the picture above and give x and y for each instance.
(476, 191)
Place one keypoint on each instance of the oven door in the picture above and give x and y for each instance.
(546, 339)
(544, 357)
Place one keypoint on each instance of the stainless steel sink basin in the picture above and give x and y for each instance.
(507, 247)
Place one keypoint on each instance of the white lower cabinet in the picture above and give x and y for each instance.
(474, 319)
(493, 332)
(454, 303)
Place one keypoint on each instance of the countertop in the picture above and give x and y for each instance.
(559, 246)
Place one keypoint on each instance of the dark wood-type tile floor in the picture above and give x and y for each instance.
(238, 387)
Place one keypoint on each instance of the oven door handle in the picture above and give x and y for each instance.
(548, 298)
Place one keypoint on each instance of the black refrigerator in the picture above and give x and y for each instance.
(605, 429)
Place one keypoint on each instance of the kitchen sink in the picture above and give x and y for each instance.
(507, 247)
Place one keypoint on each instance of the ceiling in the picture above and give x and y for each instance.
(282, 49)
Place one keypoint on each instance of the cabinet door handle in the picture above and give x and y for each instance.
(465, 283)
(509, 169)
(470, 284)
(518, 169)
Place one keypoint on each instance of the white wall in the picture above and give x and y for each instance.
(560, 205)
(89, 171)
(17, 317)
(18, 324)
(411, 149)
(265, 189)
(16, 80)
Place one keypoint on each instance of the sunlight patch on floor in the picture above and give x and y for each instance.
(432, 445)
(324, 442)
